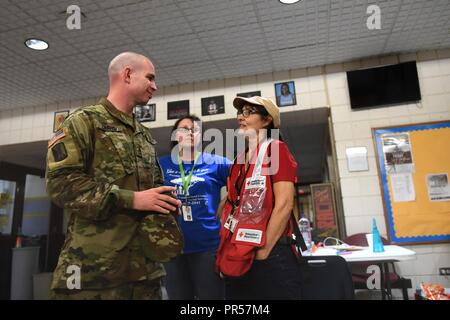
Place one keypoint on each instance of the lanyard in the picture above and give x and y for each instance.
(187, 181)
(242, 179)
(256, 171)
(235, 202)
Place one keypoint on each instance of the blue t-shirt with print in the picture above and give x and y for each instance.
(209, 176)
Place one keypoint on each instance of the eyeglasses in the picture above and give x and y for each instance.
(331, 241)
(246, 112)
(188, 130)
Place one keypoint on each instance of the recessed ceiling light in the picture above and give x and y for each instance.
(36, 44)
(288, 1)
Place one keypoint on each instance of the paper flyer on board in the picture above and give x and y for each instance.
(403, 187)
(397, 153)
(438, 187)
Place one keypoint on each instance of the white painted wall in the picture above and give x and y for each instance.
(36, 123)
(360, 190)
(315, 87)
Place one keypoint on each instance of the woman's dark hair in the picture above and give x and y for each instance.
(285, 84)
(191, 117)
(263, 112)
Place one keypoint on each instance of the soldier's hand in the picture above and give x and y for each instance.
(155, 199)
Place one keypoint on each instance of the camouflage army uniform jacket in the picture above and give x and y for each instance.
(95, 162)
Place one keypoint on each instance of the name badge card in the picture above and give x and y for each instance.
(187, 213)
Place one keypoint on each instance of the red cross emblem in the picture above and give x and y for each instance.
(241, 234)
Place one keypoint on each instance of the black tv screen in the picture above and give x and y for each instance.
(382, 86)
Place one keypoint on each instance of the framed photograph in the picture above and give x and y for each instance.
(145, 113)
(177, 109)
(59, 118)
(324, 208)
(213, 105)
(285, 93)
(249, 94)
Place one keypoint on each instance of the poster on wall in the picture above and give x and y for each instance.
(145, 113)
(249, 94)
(397, 153)
(59, 118)
(213, 105)
(285, 93)
(324, 207)
(177, 109)
(7, 198)
(438, 187)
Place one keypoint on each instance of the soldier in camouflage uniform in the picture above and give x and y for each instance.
(102, 168)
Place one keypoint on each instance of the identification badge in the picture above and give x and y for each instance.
(187, 213)
(226, 225)
(255, 182)
(233, 224)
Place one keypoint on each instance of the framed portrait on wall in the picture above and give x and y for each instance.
(213, 105)
(177, 109)
(324, 207)
(59, 118)
(285, 93)
(145, 113)
(249, 94)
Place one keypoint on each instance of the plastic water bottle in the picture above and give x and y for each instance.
(19, 238)
(377, 242)
(305, 230)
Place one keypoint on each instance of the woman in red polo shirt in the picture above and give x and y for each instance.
(255, 254)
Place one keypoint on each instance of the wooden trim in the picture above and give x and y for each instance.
(411, 124)
(380, 184)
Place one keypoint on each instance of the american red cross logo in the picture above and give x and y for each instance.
(241, 234)
(248, 183)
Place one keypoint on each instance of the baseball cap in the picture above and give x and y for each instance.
(267, 103)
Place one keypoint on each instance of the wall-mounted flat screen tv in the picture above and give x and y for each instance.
(381, 86)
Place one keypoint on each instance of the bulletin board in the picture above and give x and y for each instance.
(414, 170)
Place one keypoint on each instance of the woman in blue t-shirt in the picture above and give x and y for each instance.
(199, 178)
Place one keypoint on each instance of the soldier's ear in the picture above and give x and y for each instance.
(127, 75)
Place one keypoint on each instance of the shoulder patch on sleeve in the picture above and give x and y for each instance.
(59, 152)
(61, 133)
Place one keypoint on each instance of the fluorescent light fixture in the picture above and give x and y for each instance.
(36, 44)
(288, 1)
